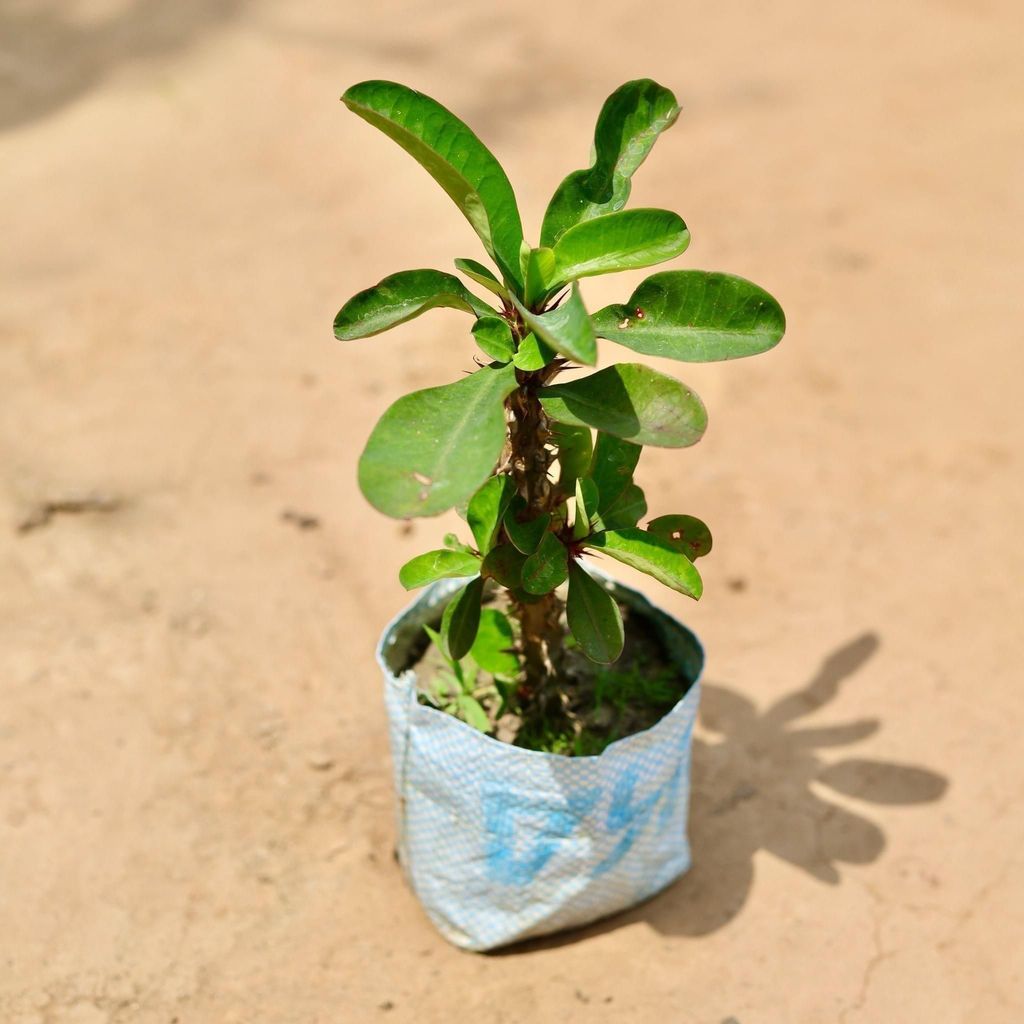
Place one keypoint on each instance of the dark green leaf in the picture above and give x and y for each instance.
(626, 510)
(695, 316)
(652, 555)
(487, 509)
(687, 533)
(630, 401)
(401, 297)
(567, 328)
(494, 336)
(533, 354)
(624, 240)
(505, 565)
(575, 446)
(612, 466)
(437, 565)
(478, 272)
(593, 616)
(525, 535)
(630, 121)
(587, 502)
(457, 160)
(547, 567)
(461, 619)
(432, 449)
(494, 647)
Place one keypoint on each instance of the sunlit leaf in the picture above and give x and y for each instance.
(457, 160)
(401, 297)
(437, 565)
(593, 617)
(575, 446)
(435, 638)
(478, 272)
(624, 240)
(494, 336)
(472, 713)
(567, 328)
(432, 449)
(487, 508)
(533, 354)
(652, 555)
(695, 316)
(687, 533)
(630, 121)
(494, 647)
(630, 401)
(587, 503)
(540, 275)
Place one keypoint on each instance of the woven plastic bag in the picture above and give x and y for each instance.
(501, 843)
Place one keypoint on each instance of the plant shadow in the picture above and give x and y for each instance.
(755, 787)
(50, 57)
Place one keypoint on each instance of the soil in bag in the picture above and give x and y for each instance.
(595, 704)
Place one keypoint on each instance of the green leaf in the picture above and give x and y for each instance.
(652, 555)
(432, 449)
(533, 354)
(487, 509)
(625, 240)
(452, 541)
(630, 122)
(566, 328)
(494, 336)
(478, 272)
(494, 647)
(593, 616)
(525, 535)
(630, 401)
(504, 564)
(401, 297)
(696, 316)
(687, 533)
(575, 446)
(471, 711)
(612, 466)
(626, 510)
(547, 567)
(587, 502)
(437, 565)
(439, 644)
(457, 160)
(461, 619)
(540, 275)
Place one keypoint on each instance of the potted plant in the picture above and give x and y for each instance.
(540, 713)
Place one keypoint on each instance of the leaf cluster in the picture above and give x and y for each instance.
(447, 446)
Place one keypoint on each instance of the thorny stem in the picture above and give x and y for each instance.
(529, 458)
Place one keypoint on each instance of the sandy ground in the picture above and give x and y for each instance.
(195, 805)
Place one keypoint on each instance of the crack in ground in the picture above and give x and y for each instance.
(40, 514)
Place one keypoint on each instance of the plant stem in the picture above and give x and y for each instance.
(540, 619)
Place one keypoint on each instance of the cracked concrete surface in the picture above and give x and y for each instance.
(195, 804)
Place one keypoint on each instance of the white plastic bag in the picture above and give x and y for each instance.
(501, 843)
